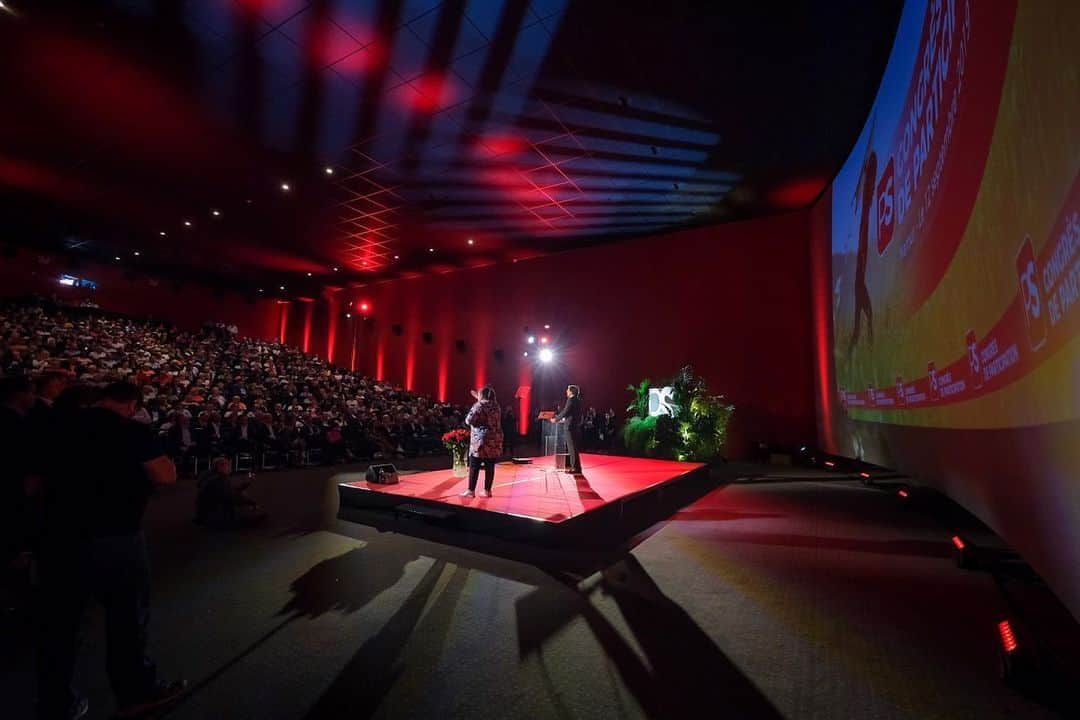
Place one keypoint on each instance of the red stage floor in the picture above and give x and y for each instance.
(537, 491)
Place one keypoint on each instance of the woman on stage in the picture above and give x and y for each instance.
(486, 439)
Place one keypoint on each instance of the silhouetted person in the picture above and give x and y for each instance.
(573, 416)
(862, 294)
(97, 486)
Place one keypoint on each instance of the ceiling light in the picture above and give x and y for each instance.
(281, 287)
(215, 213)
(546, 355)
(431, 249)
(260, 289)
(136, 253)
(285, 187)
(117, 258)
(397, 257)
(161, 233)
(526, 353)
(348, 315)
(471, 241)
(309, 274)
(530, 339)
(547, 327)
(335, 269)
(329, 170)
(187, 223)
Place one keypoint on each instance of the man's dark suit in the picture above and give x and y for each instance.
(573, 416)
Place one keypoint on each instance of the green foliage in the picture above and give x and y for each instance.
(640, 405)
(697, 431)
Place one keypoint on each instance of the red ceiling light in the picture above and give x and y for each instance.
(958, 542)
(1008, 637)
(543, 340)
(363, 306)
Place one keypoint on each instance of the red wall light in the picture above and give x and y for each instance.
(364, 307)
(1008, 638)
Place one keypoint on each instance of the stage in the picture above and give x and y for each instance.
(531, 501)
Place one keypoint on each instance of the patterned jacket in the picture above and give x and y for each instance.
(485, 421)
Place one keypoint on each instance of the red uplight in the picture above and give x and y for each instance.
(958, 542)
(902, 493)
(1008, 639)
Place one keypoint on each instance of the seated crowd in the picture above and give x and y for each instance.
(212, 394)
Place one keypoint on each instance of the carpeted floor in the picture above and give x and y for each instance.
(795, 598)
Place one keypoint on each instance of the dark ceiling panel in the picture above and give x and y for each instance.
(403, 129)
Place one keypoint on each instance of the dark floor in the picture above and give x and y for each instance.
(795, 599)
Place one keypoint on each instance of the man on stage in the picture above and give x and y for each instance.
(572, 415)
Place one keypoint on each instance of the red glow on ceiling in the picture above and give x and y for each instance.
(958, 542)
(797, 194)
(1008, 638)
(499, 144)
(428, 93)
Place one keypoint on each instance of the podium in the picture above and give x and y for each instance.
(553, 440)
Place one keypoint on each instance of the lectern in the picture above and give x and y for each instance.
(553, 439)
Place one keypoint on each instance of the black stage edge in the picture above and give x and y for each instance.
(605, 527)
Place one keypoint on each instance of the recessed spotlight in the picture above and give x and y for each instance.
(431, 249)
(335, 270)
(117, 258)
(136, 253)
(215, 213)
(530, 339)
(161, 233)
(471, 241)
(285, 187)
(329, 170)
(525, 354)
(187, 223)
(281, 287)
(397, 257)
(309, 274)
(547, 327)
(348, 315)
(260, 289)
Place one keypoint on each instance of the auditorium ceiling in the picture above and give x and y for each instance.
(300, 144)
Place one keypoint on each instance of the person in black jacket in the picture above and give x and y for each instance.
(572, 415)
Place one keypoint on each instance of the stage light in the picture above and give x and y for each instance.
(543, 340)
(903, 493)
(136, 253)
(117, 258)
(397, 257)
(546, 355)
(1008, 637)
(547, 327)
(364, 306)
(530, 340)
(187, 223)
(431, 249)
(285, 187)
(281, 287)
(830, 464)
(329, 171)
(215, 213)
(471, 241)
(348, 315)
(865, 475)
(309, 274)
(958, 542)
(161, 233)
(335, 269)
(260, 289)
(525, 354)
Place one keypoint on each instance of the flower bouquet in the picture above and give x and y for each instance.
(457, 442)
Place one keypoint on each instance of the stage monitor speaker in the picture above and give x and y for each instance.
(383, 474)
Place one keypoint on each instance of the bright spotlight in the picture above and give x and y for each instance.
(285, 187)
(329, 170)
(546, 355)
(543, 340)
(524, 354)
(530, 340)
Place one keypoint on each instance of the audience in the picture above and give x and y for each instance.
(213, 393)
